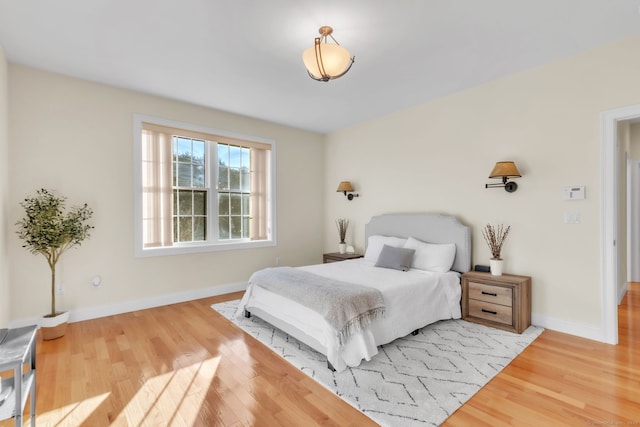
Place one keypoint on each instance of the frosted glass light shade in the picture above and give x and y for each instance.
(335, 60)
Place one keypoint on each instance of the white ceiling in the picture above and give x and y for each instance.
(244, 56)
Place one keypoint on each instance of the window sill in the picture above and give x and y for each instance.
(202, 248)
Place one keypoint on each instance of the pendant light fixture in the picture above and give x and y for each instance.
(326, 61)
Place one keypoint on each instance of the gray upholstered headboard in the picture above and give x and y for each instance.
(430, 228)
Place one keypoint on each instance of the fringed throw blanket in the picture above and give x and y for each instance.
(348, 308)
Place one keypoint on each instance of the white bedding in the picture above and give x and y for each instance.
(413, 299)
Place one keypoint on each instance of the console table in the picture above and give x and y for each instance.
(17, 349)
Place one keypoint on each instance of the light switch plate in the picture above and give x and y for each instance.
(572, 217)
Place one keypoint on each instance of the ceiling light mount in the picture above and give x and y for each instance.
(326, 61)
(325, 31)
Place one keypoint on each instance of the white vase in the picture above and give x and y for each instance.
(54, 327)
(343, 248)
(496, 267)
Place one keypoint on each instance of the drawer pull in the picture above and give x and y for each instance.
(489, 311)
(493, 294)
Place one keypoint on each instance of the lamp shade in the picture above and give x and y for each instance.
(344, 186)
(505, 170)
(334, 60)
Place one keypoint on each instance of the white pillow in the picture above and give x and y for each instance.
(376, 242)
(431, 256)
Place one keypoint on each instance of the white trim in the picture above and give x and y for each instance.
(609, 250)
(137, 182)
(140, 304)
(578, 329)
(208, 246)
(200, 248)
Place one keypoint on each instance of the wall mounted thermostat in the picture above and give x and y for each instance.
(574, 193)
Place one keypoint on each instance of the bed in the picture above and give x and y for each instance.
(422, 294)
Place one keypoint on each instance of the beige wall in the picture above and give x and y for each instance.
(76, 137)
(632, 135)
(4, 193)
(634, 141)
(624, 141)
(436, 158)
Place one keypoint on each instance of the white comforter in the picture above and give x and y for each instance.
(413, 299)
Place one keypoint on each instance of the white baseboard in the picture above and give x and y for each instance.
(578, 329)
(572, 328)
(140, 304)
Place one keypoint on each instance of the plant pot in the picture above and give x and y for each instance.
(54, 327)
(496, 267)
(343, 248)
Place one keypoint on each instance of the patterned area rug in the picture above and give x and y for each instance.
(413, 381)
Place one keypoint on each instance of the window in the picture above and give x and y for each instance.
(200, 189)
(234, 191)
(189, 190)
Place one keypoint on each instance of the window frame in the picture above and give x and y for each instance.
(206, 188)
(212, 207)
(215, 154)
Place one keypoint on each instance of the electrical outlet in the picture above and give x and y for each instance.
(59, 288)
(96, 281)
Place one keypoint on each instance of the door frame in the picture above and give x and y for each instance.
(610, 252)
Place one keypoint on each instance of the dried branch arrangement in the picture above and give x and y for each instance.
(342, 225)
(495, 236)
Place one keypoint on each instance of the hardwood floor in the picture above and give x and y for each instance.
(562, 380)
(186, 365)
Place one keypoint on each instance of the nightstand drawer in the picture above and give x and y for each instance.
(493, 312)
(492, 294)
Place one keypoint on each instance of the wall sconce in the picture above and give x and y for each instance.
(345, 187)
(505, 170)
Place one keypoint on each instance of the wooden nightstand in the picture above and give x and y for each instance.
(499, 301)
(337, 256)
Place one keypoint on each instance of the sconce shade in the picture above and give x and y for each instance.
(344, 186)
(505, 170)
(326, 61)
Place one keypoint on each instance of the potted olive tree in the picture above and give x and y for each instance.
(49, 229)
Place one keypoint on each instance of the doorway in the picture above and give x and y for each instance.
(611, 250)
